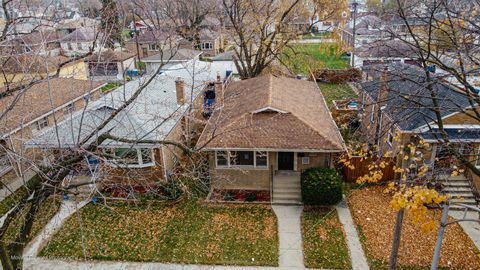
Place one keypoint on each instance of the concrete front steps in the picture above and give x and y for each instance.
(286, 190)
(458, 187)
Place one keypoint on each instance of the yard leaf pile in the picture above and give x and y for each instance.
(375, 219)
(184, 233)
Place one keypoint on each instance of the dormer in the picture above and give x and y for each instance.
(269, 109)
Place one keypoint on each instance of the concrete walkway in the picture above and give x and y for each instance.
(66, 210)
(290, 236)
(357, 256)
(472, 229)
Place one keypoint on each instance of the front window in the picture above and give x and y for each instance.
(153, 47)
(130, 156)
(391, 135)
(79, 46)
(241, 158)
(42, 123)
(207, 46)
(69, 45)
(222, 158)
(261, 159)
(254, 159)
(70, 108)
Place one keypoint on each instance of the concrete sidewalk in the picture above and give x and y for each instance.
(290, 252)
(290, 236)
(357, 256)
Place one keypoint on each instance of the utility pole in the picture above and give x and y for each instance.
(354, 5)
(136, 35)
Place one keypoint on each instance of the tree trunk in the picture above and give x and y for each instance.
(396, 239)
(5, 258)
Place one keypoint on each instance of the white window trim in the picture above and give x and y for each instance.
(372, 114)
(139, 159)
(305, 160)
(477, 162)
(230, 166)
(210, 46)
(390, 135)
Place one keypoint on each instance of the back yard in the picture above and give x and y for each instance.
(187, 232)
(304, 58)
(332, 92)
(375, 221)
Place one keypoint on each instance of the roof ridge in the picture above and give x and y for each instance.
(270, 90)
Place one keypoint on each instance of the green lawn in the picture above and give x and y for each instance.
(316, 35)
(336, 92)
(109, 86)
(11, 200)
(323, 240)
(188, 232)
(304, 58)
(46, 212)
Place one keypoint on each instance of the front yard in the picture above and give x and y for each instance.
(323, 239)
(375, 221)
(187, 232)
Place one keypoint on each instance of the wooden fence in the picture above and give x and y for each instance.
(361, 168)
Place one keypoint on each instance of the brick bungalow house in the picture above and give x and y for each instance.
(265, 131)
(396, 102)
(35, 111)
(158, 113)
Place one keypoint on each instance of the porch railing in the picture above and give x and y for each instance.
(473, 187)
(271, 184)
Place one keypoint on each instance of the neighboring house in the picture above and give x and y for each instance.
(81, 41)
(396, 103)
(26, 68)
(169, 58)
(110, 65)
(384, 52)
(211, 43)
(68, 26)
(39, 43)
(37, 108)
(264, 131)
(150, 42)
(469, 67)
(158, 113)
(368, 29)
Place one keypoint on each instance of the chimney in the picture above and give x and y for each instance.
(384, 88)
(219, 91)
(180, 89)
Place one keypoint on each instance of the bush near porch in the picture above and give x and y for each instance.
(323, 239)
(375, 221)
(187, 232)
(321, 186)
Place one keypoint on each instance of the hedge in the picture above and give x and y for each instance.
(321, 186)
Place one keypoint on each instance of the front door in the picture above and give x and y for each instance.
(285, 161)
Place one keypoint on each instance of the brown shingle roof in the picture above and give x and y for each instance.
(110, 56)
(39, 99)
(271, 112)
(34, 63)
